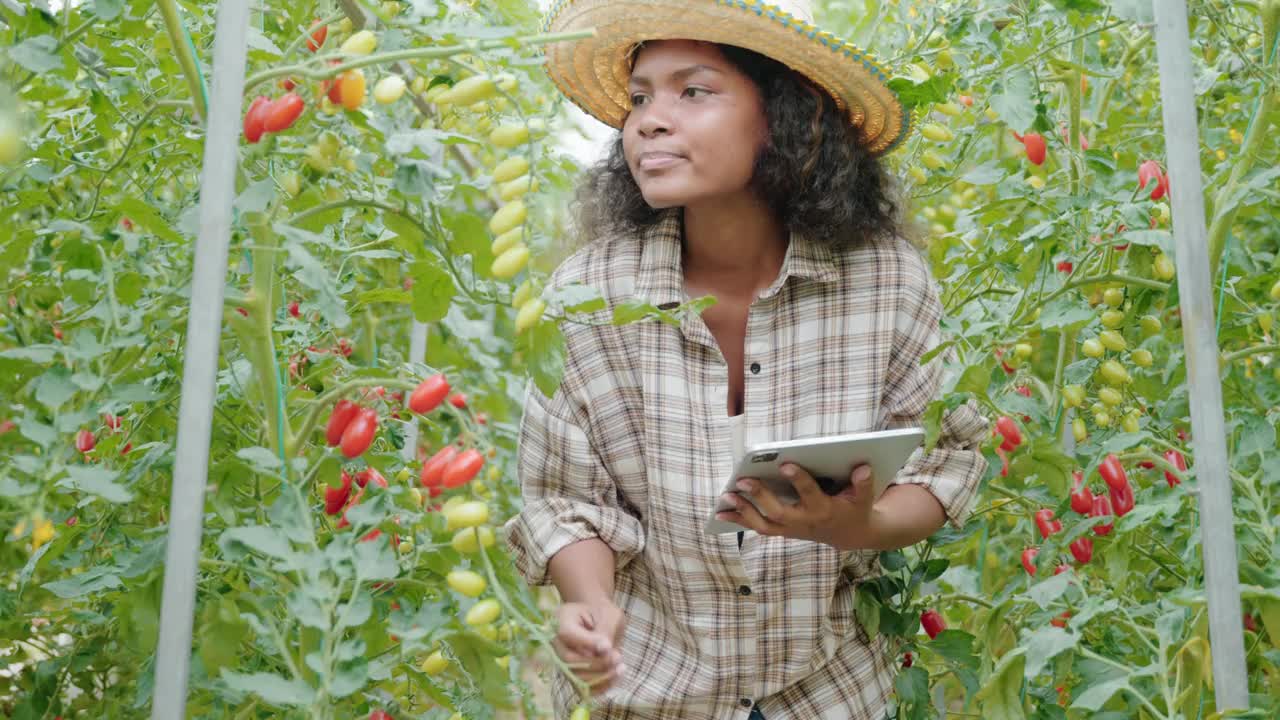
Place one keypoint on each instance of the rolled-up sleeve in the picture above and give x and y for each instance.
(953, 470)
(567, 491)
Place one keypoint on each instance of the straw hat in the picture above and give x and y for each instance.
(593, 72)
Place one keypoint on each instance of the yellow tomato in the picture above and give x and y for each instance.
(516, 188)
(1112, 340)
(466, 514)
(351, 87)
(937, 133)
(388, 90)
(468, 91)
(510, 262)
(467, 582)
(469, 540)
(510, 169)
(508, 216)
(483, 612)
(522, 295)
(507, 240)
(361, 43)
(509, 135)
(434, 664)
(1142, 358)
(529, 315)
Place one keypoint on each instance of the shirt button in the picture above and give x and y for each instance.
(745, 702)
(755, 368)
(744, 590)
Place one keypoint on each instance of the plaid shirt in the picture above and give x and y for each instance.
(635, 447)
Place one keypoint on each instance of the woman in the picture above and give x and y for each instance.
(746, 168)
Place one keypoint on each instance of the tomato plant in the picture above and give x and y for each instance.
(324, 593)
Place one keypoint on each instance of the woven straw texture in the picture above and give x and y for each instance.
(593, 72)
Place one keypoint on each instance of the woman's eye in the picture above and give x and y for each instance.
(635, 99)
(695, 89)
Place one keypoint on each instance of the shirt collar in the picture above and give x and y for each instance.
(660, 277)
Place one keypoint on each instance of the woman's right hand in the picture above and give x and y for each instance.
(588, 639)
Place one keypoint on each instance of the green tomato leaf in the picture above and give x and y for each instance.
(1045, 644)
(433, 291)
(1014, 102)
(1095, 697)
(99, 481)
(38, 54)
(1000, 698)
(102, 577)
(272, 688)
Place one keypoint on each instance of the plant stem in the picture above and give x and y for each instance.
(187, 59)
(1258, 130)
(322, 70)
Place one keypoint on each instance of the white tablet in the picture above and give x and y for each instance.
(830, 460)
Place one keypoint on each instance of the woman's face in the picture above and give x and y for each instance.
(696, 124)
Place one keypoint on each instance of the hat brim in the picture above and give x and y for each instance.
(593, 72)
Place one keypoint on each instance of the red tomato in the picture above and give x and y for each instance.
(1012, 435)
(85, 441)
(1174, 458)
(364, 476)
(1122, 500)
(1029, 560)
(1082, 550)
(433, 469)
(283, 111)
(429, 394)
(380, 715)
(111, 421)
(932, 623)
(359, 433)
(343, 413)
(127, 447)
(458, 400)
(1101, 508)
(255, 118)
(463, 468)
(1047, 524)
(1081, 495)
(1113, 472)
(335, 498)
(294, 309)
(319, 32)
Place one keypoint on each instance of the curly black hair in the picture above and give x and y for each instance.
(816, 176)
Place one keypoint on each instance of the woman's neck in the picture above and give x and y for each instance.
(732, 245)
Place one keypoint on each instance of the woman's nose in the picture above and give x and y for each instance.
(653, 119)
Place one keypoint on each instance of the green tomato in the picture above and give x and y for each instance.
(1150, 324)
(1110, 396)
(1142, 358)
(1073, 395)
(1113, 373)
(1113, 297)
(1079, 431)
(1112, 340)
(1112, 319)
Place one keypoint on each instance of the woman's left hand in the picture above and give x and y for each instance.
(844, 520)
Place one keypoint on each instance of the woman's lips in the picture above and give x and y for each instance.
(658, 161)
